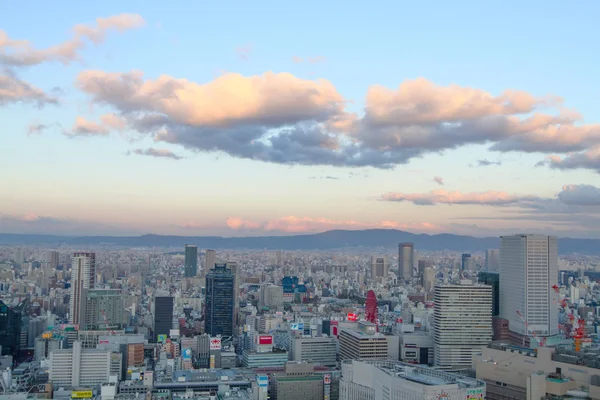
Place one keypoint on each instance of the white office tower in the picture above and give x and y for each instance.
(83, 274)
(528, 270)
(492, 260)
(379, 267)
(462, 322)
(406, 260)
(83, 367)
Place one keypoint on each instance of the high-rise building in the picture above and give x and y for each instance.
(163, 315)
(52, 259)
(528, 272)
(271, 296)
(462, 322)
(492, 260)
(406, 260)
(467, 263)
(210, 258)
(83, 275)
(428, 279)
(379, 267)
(103, 309)
(10, 328)
(220, 301)
(191, 261)
(492, 279)
(235, 270)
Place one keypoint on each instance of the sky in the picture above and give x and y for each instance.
(261, 118)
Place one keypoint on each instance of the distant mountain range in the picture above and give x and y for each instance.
(334, 239)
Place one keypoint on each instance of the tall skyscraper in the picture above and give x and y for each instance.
(466, 262)
(492, 260)
(492, 279)
(220, 301)
(210, 258)
(52, 259)
(235, 270)
(379, 267)
(462, 322)
(406, 260)
(528, 270)
(10, 328)
(83, 273)
(163, 315)
(191, 261)
(428, 279)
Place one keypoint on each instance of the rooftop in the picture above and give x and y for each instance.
(423, 375)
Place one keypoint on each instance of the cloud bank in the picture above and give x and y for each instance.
(280, 118)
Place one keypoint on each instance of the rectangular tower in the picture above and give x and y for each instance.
(379, 267)
(220, 301)
(462, 322)
(406, 260)
(83, 274)
(163, 316)
(191, 261)
(528, 271)
(210, 258)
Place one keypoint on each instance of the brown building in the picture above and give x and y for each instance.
(135, 355)
(500, 329)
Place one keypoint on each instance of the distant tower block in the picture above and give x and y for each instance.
(371, 308)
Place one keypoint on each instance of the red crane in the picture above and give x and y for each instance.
(371, 308)
(579, 333)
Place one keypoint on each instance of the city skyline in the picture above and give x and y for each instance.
(428, 121)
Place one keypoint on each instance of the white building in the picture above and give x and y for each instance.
(406, 260)
(83, 367)
(462, 322)
(528, 270)
(271, 296)
(83, 274)
(320, 350)
(428, 279)
(396, 380)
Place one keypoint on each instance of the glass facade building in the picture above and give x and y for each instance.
(191, 261)
(220, 302)
(10, 328)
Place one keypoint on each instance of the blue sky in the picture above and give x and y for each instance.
(61, 181)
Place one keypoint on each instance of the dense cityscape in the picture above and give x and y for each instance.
(518, 322)
(315, 200)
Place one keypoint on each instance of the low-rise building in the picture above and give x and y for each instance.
(397, 380)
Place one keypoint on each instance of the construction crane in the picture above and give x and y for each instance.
(541, 342)
(579, 333)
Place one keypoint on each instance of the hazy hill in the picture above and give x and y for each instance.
(326, 240)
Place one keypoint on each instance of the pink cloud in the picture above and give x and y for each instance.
(238, 223)
(293, 224)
